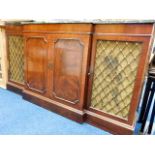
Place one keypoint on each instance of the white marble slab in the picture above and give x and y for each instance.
(95, 21)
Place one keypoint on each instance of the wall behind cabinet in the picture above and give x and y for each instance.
(3, 60)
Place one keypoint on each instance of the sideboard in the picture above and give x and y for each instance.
(87, 71)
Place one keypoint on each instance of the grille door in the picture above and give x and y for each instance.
(16, 58)
(115, 70)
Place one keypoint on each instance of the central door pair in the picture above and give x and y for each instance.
(56, 67)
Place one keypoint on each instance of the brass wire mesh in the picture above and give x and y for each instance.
(16, 58)
(114, 76)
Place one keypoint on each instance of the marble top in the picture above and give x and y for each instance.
(95, 21)
(70, 21)
(16, 22)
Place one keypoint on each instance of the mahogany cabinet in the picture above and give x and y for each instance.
(15, 56)
(56, 62)
(3, 60)
(92, 71)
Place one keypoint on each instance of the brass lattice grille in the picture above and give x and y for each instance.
(16, 63)
(114, 76)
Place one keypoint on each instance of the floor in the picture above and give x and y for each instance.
(20, 117)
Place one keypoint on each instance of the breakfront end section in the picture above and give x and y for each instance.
(15, 55)
(119, 61)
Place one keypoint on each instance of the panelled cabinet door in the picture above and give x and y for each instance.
(67, 72)
(36, 56)
(67, 69)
